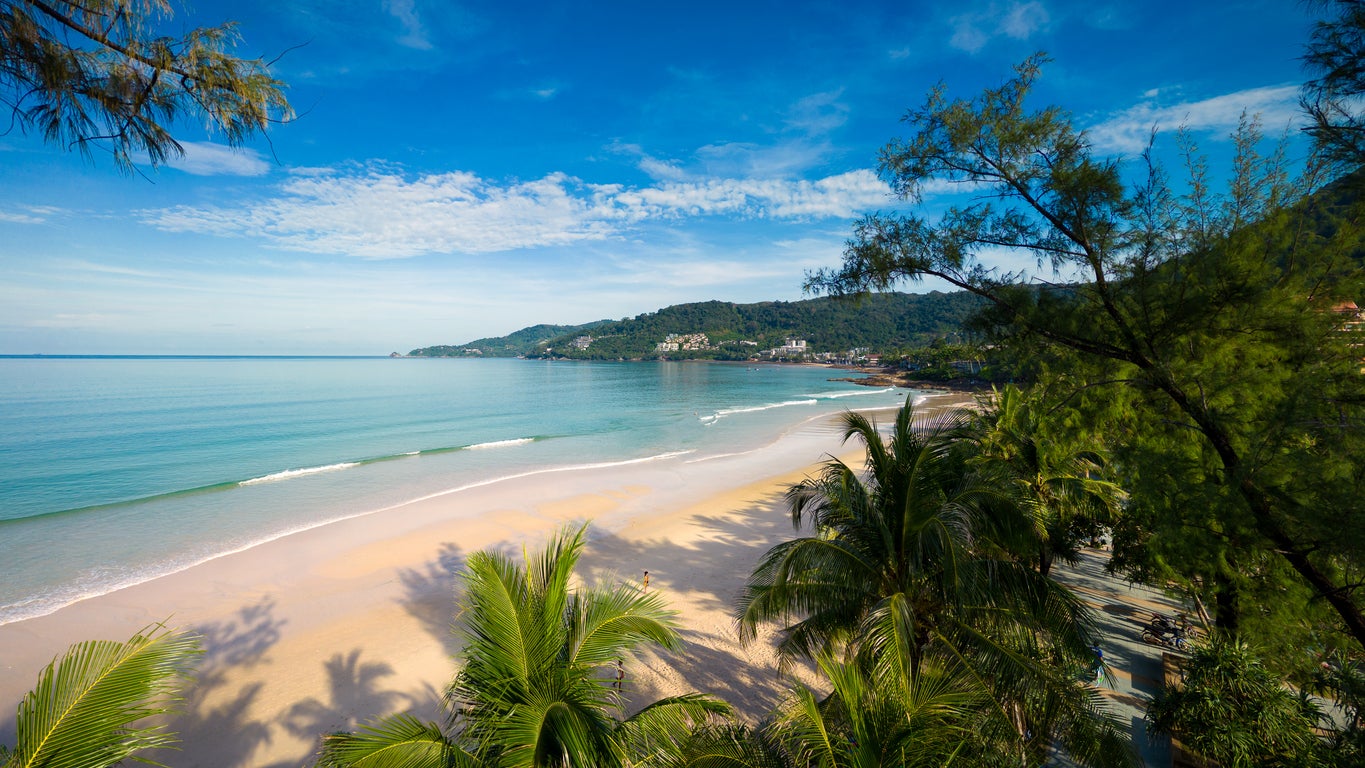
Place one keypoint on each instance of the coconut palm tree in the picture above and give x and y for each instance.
(895, 574)
(860, 723)
(89, 707)
(1057, 487)
(534, 688)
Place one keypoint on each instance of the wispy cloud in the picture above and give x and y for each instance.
(380, 213)
(204, 158)
(29, 214)
(972, 31)
(818, 113)
(71, 320)
(1130, 130)
(414, 34)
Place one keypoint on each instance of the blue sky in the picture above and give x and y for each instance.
(465, 169)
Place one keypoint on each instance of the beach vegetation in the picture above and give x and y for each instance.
(106, 74)
(1230, 709)
(91, 707)
(865, 718)
(1212, 336)
(1054, 482)
(541, 678)
(901, 573)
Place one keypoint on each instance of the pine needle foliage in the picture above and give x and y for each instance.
(104, 73)
(1219, 327)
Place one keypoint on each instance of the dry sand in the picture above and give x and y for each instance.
(317, 631)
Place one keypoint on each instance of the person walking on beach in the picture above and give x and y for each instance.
(646, 585)
(620, 681)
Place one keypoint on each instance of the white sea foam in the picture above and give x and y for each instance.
(724, 412)
(91, 586)
(289, 474)
(500, 444)
(842, 393)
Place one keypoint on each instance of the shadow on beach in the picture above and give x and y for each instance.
(215, 718)
(221, 726)
(430, 594)
(702, 578)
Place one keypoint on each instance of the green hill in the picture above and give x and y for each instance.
(880, 322)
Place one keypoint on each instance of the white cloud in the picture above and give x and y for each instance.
(30, 214)
(818, 113)
(379, 213)
(415, 35)
(71, 320)
(1130, 130)
(747, 160)
(204, 158)
(1023, 19)
(1018, 20)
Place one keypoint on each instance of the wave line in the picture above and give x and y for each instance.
(292, 473)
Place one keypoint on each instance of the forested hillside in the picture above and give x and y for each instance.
(880, 322)
(527, 340)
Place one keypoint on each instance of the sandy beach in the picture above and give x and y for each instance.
(316, 631)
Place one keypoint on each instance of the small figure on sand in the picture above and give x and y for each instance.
(646, 584)
(620, 681)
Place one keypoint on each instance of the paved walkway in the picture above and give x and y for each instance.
(1135, 671)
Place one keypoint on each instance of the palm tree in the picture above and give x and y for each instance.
(894, 573)
(87, 706)
(1057, 486)
(862, 722)
(534, 687)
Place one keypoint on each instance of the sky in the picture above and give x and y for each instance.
(462, 169)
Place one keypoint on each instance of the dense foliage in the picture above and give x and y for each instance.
(1231, 709)
(527, 341)
(1203, 332)
(907, 571)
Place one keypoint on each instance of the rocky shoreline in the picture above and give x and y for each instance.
(892, 377)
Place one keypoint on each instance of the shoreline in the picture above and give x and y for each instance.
(312, 631)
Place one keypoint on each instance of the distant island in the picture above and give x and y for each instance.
(838, 330)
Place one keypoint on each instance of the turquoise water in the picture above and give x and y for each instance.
(116, 470)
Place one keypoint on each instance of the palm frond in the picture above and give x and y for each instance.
(610, 622)
(554, 730)
(725, 746)
(805, 731)
(663, 726)
(400, 741)
(813, 580)
(84, 709)
(495, 595)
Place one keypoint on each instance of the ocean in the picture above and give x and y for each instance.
(114, 471)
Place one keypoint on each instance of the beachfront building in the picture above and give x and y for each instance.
(582, 342)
